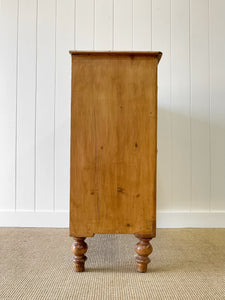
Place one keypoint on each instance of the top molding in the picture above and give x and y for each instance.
(156, 54)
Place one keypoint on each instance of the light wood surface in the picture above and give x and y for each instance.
(79, 248)
(143, 250)
(113, 143)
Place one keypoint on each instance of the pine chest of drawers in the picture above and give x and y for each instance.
(113, 148)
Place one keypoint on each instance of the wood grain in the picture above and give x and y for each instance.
(143, 250)
(113, 143)
(79, 248)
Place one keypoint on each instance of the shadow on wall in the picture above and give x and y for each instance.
(191, 159)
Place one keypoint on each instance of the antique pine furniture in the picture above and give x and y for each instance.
(113, 148)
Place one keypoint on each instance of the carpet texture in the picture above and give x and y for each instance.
(186, 264)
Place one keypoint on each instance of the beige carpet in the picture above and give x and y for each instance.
(186, 264)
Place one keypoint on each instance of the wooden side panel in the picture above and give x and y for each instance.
(113, 144)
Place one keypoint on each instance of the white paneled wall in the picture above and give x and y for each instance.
(35, 37)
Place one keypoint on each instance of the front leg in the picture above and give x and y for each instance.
(143, 249)
(79, 248)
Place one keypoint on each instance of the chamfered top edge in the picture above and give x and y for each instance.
(157, 54)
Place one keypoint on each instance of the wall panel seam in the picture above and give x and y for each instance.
(210, 107)
(74, 25)
(113, 22)
(171, 115)
(16, 108)
(54, 107)
(190, 108)
(132, 8)
(35, 112)
(94, 26)
(151, 25)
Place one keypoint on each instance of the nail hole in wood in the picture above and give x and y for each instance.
(120, 189)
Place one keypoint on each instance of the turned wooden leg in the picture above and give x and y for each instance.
(143, 249)
(79, 248)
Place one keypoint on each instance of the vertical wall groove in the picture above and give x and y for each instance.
(199, 45)
(54, 108)
(74, 28)
(170, 109)
(35, 113)
(151, 26)
(94, 12)
(190, 111)
(16, 112)
(210, 107)
(132, 43)
(113, 9)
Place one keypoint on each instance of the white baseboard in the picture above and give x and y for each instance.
(167, 219)
(60, 219)
(34, 219)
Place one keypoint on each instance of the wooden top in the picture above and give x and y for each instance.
(157, 54)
